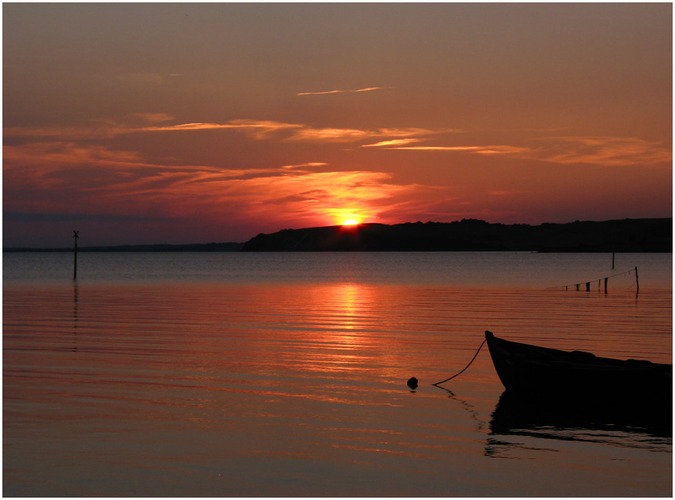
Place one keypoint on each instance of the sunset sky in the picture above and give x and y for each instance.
(194, 123)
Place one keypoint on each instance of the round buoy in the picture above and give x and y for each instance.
(412, 383)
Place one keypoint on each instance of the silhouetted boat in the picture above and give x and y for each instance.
(530, 371)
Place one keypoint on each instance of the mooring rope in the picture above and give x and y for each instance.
(464, 369)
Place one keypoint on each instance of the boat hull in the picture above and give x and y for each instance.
(539, 372)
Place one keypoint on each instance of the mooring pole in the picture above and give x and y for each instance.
(76, 235)
(637, 282)
(612, 260)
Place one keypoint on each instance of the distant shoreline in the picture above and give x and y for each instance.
(473, 235)
(625, 235)
(196, 247)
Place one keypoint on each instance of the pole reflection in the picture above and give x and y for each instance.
(76, 316)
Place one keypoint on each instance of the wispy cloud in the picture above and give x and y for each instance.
(566, 150)
(258, 128)
(311, 134)
(148, 122)
(482, 150)
(308, 134)
(304, 166)
(391, 143)
(600, 150)
(352, 91)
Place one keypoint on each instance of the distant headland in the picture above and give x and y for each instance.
(625, 235)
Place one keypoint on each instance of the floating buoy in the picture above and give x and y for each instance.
(412, 383)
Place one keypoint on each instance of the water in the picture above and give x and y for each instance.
(285, 374)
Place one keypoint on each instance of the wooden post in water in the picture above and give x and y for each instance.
(612, 260)
(76, 235)
(606, 279)
(637, 282)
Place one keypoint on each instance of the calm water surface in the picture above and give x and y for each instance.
(285, 374)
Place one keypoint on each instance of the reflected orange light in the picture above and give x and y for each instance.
(351, 298)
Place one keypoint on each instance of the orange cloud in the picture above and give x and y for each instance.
(482, 150)
(326, 92)
(313, 164)
(329, 135)
(309, 134)
(600, 150)
(391, 143)
(259, 129)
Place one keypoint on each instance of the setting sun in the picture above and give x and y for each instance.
(348, 216)
(351, 222)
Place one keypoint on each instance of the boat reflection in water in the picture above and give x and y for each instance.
(621, 425)
(580, 397)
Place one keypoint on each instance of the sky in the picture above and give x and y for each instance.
(198, 123)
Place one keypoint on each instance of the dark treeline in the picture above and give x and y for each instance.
(627, 235)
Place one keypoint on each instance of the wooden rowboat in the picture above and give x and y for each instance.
(538, 372)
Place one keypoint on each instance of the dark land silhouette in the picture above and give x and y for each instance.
(196, 247)
(627, 235)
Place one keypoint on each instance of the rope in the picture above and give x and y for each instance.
(462, 371)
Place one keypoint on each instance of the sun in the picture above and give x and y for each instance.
(352, 221)
(347, 217)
